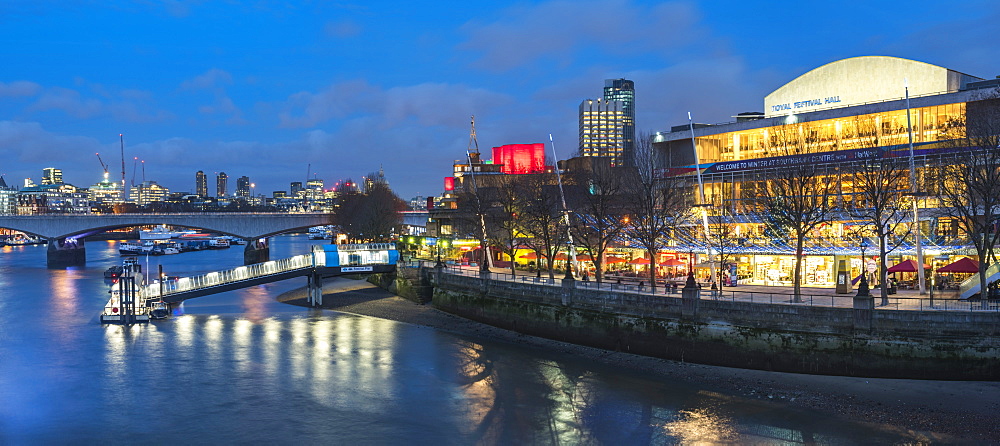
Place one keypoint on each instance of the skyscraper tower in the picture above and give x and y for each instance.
(243, 187)
(220, 184)
(623, 90)
(51, 175)
(201, 184)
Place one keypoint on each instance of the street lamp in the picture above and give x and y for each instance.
(253, 191)
(863, 290)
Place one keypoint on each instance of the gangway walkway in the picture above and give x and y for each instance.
(971, 286)
(323, 261)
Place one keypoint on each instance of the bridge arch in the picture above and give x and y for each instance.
(64, 228)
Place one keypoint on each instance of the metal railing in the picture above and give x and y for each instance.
(240, 273)
(731, 295)
(972, 283)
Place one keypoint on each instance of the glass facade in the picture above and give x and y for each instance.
(737, 164)
(602, 130)
(930, 124)
(623, 90)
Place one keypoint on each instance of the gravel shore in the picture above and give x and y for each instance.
(966, 412)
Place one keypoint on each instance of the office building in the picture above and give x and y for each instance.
(623, 90)
(220, 184)
(201, 184)
(243, 187)
(148, 192)
(51, 175)
(602, 130)
(8, 198)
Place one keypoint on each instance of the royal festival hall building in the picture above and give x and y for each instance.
(837, 115)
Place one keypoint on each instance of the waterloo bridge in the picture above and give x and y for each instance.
(65, 232)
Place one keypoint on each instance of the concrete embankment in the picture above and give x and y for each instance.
(860, 341)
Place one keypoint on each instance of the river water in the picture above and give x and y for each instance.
(240, 367)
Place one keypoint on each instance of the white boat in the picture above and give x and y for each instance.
(159, 310)
(320, 232)
(130, 248)
(233, 240)
(218, 243)
(161, 233)
(165, 250)
(112, 313)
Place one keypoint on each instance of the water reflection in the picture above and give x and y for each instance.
(700, 426)
(241, 368)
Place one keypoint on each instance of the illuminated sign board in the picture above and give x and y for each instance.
(798, 105)
(356, 269)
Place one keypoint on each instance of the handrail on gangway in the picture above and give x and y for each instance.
(322, 256)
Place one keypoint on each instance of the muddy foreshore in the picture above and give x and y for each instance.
(930, 411)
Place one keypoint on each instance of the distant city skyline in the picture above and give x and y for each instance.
(337, 90)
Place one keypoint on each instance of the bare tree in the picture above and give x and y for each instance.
(880, 186)
(722, 233)
(654, 205)
(970, 182)
(502, 202)
(797, 195)
(541, 217)
(596, 196)
(373, 216)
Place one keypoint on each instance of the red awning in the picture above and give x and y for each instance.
(963, 265)
(671, 262)
(614, 260)
(639, 261)
(906, 266)
(529, 256)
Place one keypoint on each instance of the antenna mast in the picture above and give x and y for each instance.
(306, 186)
(474, 148)
(121, 138)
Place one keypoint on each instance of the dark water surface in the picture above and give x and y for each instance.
(239, 367)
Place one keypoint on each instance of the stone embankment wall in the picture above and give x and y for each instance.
(859, 341)
(412, 284)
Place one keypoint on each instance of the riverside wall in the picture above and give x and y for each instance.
(859, 341)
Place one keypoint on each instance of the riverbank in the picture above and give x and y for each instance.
(931, 411)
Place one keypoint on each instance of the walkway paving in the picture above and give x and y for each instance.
(775, 294)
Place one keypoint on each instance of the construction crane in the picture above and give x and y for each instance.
(135, 161)
(103, 165)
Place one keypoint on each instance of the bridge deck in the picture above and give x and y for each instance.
(184, 288)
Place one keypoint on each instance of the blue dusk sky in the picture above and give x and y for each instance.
(266, 88)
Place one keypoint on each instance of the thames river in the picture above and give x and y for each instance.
(240, 367)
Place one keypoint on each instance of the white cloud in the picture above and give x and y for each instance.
(342, 29)
(214, 78)
(559, 29)
(19, 88)
(429, 104)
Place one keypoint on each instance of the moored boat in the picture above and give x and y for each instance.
(218, 243)
(133, 248)
(162, 233)
(114, 272)
(159, 310)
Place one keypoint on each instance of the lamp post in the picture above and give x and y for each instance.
(702, 204)
(571, 251)
(863, 290)
(253, 192)
(913, 190)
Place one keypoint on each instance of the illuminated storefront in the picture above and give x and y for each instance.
(834, 117)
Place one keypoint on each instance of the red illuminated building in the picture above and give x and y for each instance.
(520, 158)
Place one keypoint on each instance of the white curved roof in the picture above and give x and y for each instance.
(860, 80)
